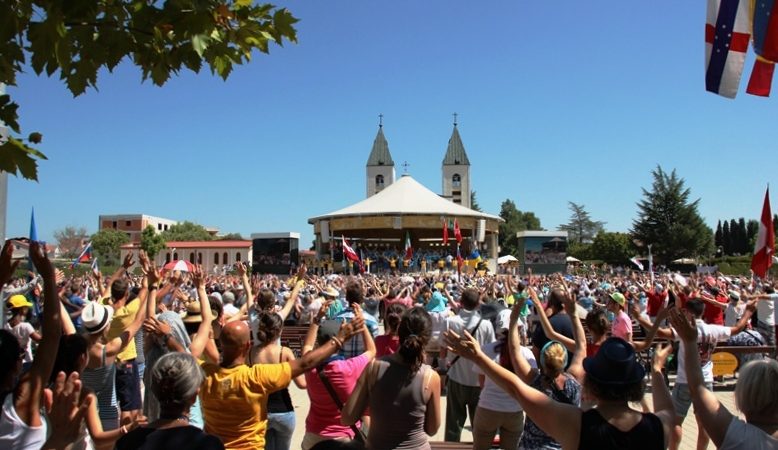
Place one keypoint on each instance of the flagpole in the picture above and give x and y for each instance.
(459, 265)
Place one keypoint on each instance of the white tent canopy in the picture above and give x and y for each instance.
(406, 196)
(506, 259)
(572, 259)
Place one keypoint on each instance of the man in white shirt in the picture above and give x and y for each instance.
(462, 381)
(765, 312)
(708, 336)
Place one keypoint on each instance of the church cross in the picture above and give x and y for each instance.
(405, 166)
(381, 120)
(455, 119)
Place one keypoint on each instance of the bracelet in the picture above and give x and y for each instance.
(337, 342)
(153, 286)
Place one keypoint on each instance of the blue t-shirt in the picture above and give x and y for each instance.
(78, 303)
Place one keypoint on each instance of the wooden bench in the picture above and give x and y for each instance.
(294, 337)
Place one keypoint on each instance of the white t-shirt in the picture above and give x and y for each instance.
(733, 314)
(765, 309)
(22, 331)
(707, 337)
(462, 371)
(492, 396)
(741, 435)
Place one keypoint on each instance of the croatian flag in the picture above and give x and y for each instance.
(457, 232)
(765, 241)
(349, 253)
(727, 33)
(408, 247)
(85, 256)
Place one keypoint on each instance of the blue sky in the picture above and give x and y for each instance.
(557, 102)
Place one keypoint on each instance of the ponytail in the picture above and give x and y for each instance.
(414, 332)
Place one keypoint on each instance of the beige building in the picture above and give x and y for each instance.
(214, 256)
(134, 224)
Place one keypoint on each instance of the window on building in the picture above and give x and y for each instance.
(167, 257)
(199, 257)
(191, 257)
(456, 180)
(216, 257)
(226, 258)
(379, 182)
(175, 256)
(165, 227)
(128, 223)
(129, 236)
(237, 257)
(159, 227)
(114, 224)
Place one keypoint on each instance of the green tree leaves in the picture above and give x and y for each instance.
(151, 242)
(186, 231)
(77, 38)
(669, 221)
(107, 244)
(581, 228)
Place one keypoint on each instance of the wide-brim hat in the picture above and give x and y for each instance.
(614, 364)
(95, 317)
(331, 292)
(193, 314)
(18, 301)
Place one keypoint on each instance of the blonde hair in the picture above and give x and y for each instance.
(553, 358)
(757, 388)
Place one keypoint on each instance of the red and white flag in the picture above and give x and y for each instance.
(408, 247)
(765, 241)
(349, 252)
(457, 232)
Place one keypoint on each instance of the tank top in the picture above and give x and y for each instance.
(101, 381)
(279, 401)
(397, 408)
(597, 433)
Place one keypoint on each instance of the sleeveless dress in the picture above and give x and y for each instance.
(397, 407)
(597, 433)
(101, 381)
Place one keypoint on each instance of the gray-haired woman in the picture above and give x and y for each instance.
(175, 381)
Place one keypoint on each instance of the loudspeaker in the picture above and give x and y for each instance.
(324, 231)
(480, 230)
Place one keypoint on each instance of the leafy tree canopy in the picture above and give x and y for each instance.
(151, 242)
(669, 222)
(515, 221)
(581, 228)
(77, 38)
(613, 248)
(231, 237)
(186, 231)
(70, 240)
(106, 244)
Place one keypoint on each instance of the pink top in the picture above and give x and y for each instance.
(324, 416)
(386, 344)
(622, 326)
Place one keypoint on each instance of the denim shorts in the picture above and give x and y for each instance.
(128, 386)
(682, 398)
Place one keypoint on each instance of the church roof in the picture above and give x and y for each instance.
(455, 154)
(379, 155)
(406, 197)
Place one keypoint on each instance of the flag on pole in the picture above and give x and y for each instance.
(33, 237)
(349, 252)
(85, 256)
(445, 232)
(95, 267)
(727, 33)
(765, 241)
(475, 256)
(651, 265)
(766, 29)
(457, 232)
(459, 259)
(636, 262)
(408, 247)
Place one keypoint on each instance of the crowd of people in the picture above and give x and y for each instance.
(150, 360)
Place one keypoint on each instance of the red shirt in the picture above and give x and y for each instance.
(713, 314)
(386, 344)
(655, 301)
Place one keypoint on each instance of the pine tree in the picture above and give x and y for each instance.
(717, 239)
(742, 232)
(581, 228)
(669, 222)
(726, 239)
(734, 237)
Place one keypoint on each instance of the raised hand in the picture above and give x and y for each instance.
(198, 277)
(7, 266)
(349, 329)
(240, 268)
(128, 261)
(465, 345)
(66, 412)
(686, 329)
(660, 356)
(40, 260)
